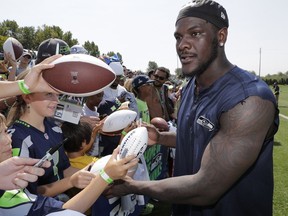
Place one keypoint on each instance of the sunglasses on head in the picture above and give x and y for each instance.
(159, 77)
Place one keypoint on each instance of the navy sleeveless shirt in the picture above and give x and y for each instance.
(198, 122)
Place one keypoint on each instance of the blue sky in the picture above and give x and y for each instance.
(142, 31)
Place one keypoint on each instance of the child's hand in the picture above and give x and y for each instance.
(92, 120)
(81, 179)
(117, 168)
(97, 128)
(10, 60)
(130, 127)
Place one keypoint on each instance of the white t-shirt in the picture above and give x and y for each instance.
(88, 112)
(113, 93)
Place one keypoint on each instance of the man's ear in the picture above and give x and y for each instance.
(222, 36)
(83, 145)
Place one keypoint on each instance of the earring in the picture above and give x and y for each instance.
(28, 108)
(221, 44)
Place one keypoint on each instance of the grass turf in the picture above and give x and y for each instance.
(280, 207)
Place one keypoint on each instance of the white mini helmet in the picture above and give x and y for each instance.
(76, 49)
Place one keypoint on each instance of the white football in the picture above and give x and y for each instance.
(118, 120)
(14, 47)
(66, 212)
(100, 164)
(134, 143)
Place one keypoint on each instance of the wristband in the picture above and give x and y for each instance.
(104, 176)
(23, 87)
(124, 133)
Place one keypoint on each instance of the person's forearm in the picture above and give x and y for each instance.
(167, 139)
(181, 190)
(85, 199)
(70, 171)
(9, 88)
(55, 188)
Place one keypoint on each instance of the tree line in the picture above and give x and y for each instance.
(30, 37)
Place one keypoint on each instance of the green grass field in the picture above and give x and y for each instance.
(280, 158)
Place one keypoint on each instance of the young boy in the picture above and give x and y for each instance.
(80, 140)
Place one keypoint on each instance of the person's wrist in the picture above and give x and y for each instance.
(105, 177)
(160, 137)
(23, 87)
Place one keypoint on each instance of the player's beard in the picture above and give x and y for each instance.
(203, 67)
(114, 85)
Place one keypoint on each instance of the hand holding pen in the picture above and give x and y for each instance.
(49, 154)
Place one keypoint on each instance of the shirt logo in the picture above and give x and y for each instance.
(205, 123)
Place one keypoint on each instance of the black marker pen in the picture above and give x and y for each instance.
(50, 153)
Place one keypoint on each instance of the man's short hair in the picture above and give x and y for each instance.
(166, 70)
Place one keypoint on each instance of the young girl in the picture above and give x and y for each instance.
(17, 172)
(22, 202)
(33, 135)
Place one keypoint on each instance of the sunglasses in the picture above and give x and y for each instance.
(27, 56)
(159, 77)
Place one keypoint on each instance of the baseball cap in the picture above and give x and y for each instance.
(50, 47)
(25, 53)
(115, 64)
(208, 10)
(117, 68)
(108, 106)
(140, 80)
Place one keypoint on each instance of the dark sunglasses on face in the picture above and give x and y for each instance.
(28, 57)
(159, 77)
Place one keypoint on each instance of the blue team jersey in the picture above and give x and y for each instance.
(198, 122)
(28, 141)
(21, 202)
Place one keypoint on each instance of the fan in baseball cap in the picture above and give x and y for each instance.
(115, 63)
(106, 107)
(50, 47)
(139, 81)
(208, 10)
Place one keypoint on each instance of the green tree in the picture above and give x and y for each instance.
(92, 48)
(26, 37)
(67, 37)
(48, 32)
(2, 40)
(178, 72)
(9, 28)
(151, 66)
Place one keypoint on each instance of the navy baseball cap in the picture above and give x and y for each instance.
(140, 80)
(50, 47)
(108, 106)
